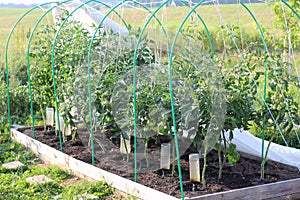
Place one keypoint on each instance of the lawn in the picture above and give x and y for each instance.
(13, 184)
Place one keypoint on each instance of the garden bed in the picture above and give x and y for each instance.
(239, 181)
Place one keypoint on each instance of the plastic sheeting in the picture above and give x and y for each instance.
(247, 143)
(89, 16)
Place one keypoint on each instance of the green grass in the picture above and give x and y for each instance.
(18, 43)
(9, 16)
(231, 14)
(173, 16)
(13, 183)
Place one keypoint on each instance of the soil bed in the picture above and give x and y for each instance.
(245, 173)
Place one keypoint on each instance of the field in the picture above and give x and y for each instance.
(8, 17)
(211, 14)
(171, 17)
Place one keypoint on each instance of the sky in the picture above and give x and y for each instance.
(26, 1)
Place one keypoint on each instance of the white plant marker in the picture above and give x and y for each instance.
(49, 116)
(56, 125)
(61, 124)
(165, 157)
(194, 169)
(68, 130)
(125, 147)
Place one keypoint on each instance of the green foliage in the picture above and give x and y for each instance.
(41, 76)
(13, 183)
(289, 23)
(14, 187)
(227, 87)
(236, 79)
(99, 189)
(20, 109)
(227, 38)
(3, 102)
(280, 113)
(111, 60)
(11, 151)
(116, 65)
(66, 60)
(241, 92)
(233, 155)
(241, 79)
(52, 171)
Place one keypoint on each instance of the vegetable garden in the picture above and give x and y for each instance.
(152, 95)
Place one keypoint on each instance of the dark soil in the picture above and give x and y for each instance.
(245, 173)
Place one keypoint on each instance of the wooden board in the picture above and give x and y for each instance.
(53, 156)
(289, 189)
(281, 190)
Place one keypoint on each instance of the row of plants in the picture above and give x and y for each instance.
(13, 183)
(221, 44)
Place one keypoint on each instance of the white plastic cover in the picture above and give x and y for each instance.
(89, 16)
(248, 143)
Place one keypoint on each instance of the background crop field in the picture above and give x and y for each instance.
(231, 14)
(171, 17)
(8, 17)
(213, 16)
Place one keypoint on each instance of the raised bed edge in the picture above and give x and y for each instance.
(289, 189)
(52, 156)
